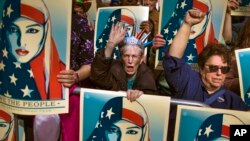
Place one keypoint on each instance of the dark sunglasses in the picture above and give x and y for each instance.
(214, 68)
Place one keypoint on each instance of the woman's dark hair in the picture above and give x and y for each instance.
(243, 39)
(211, 50)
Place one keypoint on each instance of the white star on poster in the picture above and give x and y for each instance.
(175, 32)
(97, 124)
(208, 130)
(2, 66)
(109, 113)
(26, 91)
(200, 130)
(170, 41)
(31, 73)
(1, 24)
(183, 4)
(102, 113)
(166, 30)
(100, 40)
(9, 11)
(113, 19)
(5, 53)
(7, 94)
(17, 65)
(190, 57)
(13, 79)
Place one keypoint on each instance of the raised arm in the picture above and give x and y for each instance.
(227, 29)
(179, 43)
(117, 35)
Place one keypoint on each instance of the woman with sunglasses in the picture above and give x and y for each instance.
(203, 86)
(213, 62)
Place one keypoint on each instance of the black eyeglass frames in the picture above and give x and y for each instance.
(215, 68)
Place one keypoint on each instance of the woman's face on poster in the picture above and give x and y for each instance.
(199, 28)
(25, 38)
(124, 131)
(4, 129)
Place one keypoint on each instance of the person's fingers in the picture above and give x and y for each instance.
(128, 94)
(65, 80)
(67, 85)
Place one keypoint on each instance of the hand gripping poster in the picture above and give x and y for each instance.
(108, 115)
(130, 16)
(207, 124)
(35, 44)
(242, 58)
(172, 13)
(243, 10)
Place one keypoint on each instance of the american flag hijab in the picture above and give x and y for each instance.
(217, 127)
(35, 79)
(116, 109)
(195, 45)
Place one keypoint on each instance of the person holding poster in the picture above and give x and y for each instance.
(31, 61)
(82, 54)
(127, 74)
(121, 120)
(207, 84)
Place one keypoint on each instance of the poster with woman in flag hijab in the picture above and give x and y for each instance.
(131, 16)
(35, 45)
(109, 115)
(209, 30)
(242, 58)
(207, 124)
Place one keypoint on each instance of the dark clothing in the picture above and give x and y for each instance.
(82, 42)
(188, 84)
(108, 74)
(82, 45)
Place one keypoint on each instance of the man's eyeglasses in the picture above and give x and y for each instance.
(214, 68)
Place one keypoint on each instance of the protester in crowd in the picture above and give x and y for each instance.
(163, 86)
(152, 24)
(227, 31)
(214, 63)
(82, 53)
(127, 74)
(243, 41)
(203, 86)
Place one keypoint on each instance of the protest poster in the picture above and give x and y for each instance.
(242, 58)
(203, 123)
(35, 47)
(209, 30)
(109, 111)
(131, 16)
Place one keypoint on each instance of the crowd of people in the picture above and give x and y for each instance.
(215, 82)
